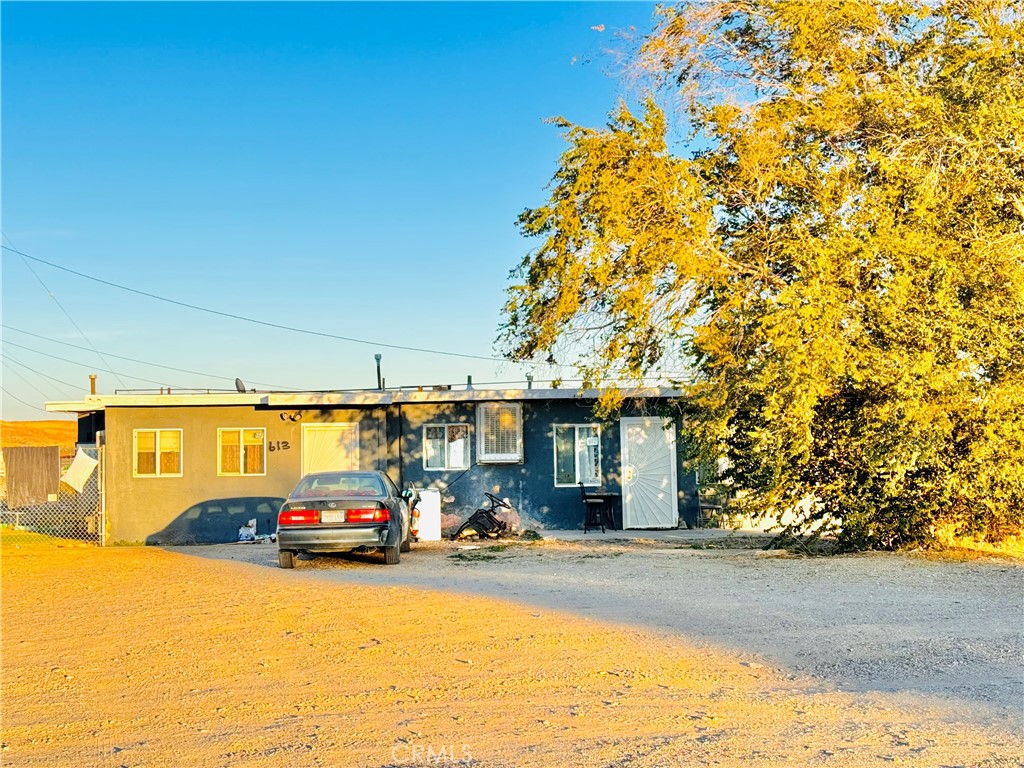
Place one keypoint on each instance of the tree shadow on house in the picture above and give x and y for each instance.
(216, 521)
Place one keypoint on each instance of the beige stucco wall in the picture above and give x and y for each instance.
(139, 508)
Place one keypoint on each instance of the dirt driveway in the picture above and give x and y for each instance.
(142, 657)
(872, 622)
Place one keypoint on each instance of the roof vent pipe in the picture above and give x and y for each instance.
(92, 383)
(529, 381)
(469, 382)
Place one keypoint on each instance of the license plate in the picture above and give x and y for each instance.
(332, 516)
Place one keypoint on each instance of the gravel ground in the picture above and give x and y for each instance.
(864, 623)
(135, 657)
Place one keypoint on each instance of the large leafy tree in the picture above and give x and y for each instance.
(839, 262)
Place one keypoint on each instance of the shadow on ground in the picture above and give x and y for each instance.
(878, 622)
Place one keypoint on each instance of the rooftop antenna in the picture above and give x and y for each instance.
(240, 386)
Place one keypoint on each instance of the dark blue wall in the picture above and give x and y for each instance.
(88, 425)
(529, 486)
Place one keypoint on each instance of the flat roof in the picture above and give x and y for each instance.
(99, 402)
(367, 398)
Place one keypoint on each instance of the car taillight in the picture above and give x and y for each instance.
(367, 515)
(298, 517)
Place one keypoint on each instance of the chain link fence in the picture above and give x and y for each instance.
(71, 515)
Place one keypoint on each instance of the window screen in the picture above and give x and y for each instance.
(433, 447)
(145, 453)
(169, 441)
(156, 452)
(577, 454)
(446, 446)
(565, 455)
(458, 446)
(242, 451)
(499, 433)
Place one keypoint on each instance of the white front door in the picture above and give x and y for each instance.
(649, 497)
(329, 447)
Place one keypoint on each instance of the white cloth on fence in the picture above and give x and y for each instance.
(80, 471)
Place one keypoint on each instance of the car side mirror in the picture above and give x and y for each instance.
(407, 494)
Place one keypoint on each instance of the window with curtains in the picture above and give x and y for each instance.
(445, 446)
(156, 453)
(577, 454)
(241, 451)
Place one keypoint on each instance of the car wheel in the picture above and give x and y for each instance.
(392, 555)
(286, 558)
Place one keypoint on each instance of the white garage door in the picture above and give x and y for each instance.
(329, 447)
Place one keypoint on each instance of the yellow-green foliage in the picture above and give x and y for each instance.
(842, 262)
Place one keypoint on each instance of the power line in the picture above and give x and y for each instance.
(654, 375)
(136, 360)
(84, 365)
(56, 301)
(243, 318)
(34, 407)
(253, 320)
(11, 369)
(7, 356)
(7, 360)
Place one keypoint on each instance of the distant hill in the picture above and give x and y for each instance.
(53, 432)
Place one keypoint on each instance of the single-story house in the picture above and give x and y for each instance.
(186, 467)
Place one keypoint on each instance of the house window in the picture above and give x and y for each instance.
(499, 433)
(577, 454)
(156, 452)
(446, 446)
(241, 451)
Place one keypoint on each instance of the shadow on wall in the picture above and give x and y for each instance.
(529, 484)
(217, 521)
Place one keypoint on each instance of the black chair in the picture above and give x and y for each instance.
(709, 510)
(594, 510)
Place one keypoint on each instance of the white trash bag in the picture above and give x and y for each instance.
(248, 531)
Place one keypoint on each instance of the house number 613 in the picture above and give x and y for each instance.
(278, 445)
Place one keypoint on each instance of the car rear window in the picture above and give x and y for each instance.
(339, 485)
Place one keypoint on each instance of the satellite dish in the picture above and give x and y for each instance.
(239, 385)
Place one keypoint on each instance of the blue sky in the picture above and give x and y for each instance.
(352, 168)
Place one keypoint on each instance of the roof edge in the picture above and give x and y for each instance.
(100, 402)
(361, 398)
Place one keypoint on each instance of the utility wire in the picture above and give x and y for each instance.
(34, 407)
(261, 383)
(11, 369)
(7, 356)
(7, 359)
(243, 318)
(135, 360)
(84, 365)
(253, 320)
(56, 301)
